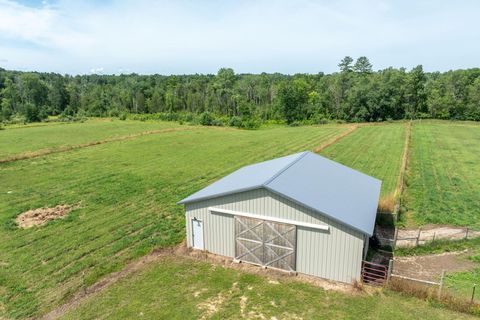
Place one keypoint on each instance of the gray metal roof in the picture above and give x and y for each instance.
(332, 189)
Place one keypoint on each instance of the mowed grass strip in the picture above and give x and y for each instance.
(127, 192)
(29, 139)
(376, 150)
(181, 288)
(443, 176)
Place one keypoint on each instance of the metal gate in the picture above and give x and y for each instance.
(374, 273)
(266, 243)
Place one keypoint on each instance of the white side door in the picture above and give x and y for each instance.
(197, 234)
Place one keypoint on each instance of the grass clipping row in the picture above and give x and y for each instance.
(40, 216)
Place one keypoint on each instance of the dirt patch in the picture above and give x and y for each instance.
(211, 306)
(40, 216)
(196, 294)
(430, 267)
(384, 232)
(381, 257)
(243, 305)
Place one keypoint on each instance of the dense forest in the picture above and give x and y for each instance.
(355, 93)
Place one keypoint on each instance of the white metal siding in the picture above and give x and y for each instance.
(334, 254)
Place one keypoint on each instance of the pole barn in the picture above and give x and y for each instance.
(300, 213)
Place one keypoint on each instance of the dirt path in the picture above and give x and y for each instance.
(430, 267)
(44, 152)
(336, 139)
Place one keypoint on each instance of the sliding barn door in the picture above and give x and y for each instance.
(266, 243)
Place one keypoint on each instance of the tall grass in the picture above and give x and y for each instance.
(387, 203)
(431, 294)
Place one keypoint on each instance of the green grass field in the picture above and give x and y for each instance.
(374, 150)
(16, 140)
(444, 178)
(179, 288)
(127, 191)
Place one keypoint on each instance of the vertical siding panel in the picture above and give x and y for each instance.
(346, 254)
(349, 258)
(335, 262)
(353, 264)
(187, 225)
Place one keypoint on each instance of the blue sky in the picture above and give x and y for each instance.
(199, 36)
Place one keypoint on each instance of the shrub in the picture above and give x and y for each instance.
(423, 115)
(251, 124)
(319, 119)
(217, 122)
(31, 112)
(235, 121)
(206, 119)
(322, 121)
(113, 113)
(189, 117)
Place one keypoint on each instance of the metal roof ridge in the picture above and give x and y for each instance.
(276, 175)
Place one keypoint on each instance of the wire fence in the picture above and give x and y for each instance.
(415, 238)
(465, 288)
(462, 289)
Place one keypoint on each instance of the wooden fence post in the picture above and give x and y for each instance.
(395, 237)
(466, 233)
(440, 287)
(473, 293)
(418, 236)
(390, 269)
(433, 240)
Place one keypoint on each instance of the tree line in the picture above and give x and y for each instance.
(355, 93)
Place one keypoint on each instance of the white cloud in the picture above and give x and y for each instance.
(97, 70)
(184, 36)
